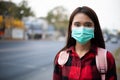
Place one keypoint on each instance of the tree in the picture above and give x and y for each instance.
(24, 10)
(11, 14)
(7, 8)
(58, 17)
(12, 10)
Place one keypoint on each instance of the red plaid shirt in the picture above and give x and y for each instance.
(83, 68)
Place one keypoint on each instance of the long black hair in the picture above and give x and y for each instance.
(98, 39)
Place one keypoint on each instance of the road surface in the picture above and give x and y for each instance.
(31, 60)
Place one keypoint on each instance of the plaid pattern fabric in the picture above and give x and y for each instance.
(83, 68)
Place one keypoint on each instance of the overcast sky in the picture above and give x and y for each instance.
(108, 11)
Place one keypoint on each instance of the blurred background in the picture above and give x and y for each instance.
(33, 31)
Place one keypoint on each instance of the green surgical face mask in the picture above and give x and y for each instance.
(82, 34)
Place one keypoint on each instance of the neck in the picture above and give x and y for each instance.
(82, 49)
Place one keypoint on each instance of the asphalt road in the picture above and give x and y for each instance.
(31, 60)
(27, 60)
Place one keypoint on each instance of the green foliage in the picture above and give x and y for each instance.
(59, 18)
(7, 8)
(24, 10)
(11, 9)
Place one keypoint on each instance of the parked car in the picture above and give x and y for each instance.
(114, 39)
(34, 32)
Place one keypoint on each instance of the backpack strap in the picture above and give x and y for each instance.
(101, 62)
(63, 57)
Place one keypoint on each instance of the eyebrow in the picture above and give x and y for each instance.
(88, 22)
(85, 22)
(77, 22)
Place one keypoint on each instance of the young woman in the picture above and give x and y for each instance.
(84, 38)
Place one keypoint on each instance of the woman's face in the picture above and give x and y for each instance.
(82, 19)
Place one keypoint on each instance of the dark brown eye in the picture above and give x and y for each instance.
(88, 24)
(77, 24)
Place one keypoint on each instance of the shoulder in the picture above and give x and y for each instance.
(56, 58)
(62, 56)
(59, 55)
(109, 55)
(110, 58)
(110, 61)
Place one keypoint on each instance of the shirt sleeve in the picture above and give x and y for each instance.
(57, 73)
(111, 73)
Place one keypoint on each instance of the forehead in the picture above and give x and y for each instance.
(81, 17)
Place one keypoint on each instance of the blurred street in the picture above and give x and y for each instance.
(31, 34)
(27, 60)
(31, 60)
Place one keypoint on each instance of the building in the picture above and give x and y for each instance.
(38, 28)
